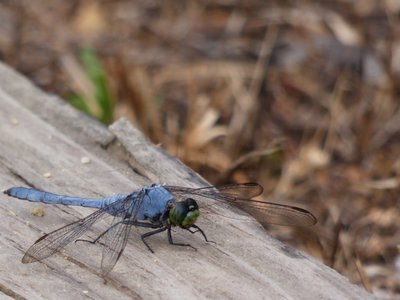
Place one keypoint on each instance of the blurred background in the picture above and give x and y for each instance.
(300, 96)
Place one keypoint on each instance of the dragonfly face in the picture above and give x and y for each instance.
(184, 213)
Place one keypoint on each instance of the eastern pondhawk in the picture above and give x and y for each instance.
(159, 207)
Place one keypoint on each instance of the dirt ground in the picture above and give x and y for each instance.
(300, 96)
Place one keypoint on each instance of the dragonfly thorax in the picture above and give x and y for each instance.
(184, 213)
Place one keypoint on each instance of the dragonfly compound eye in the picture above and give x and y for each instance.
(185, 213)
(192, 204)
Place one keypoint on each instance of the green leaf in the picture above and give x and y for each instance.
(102, 94)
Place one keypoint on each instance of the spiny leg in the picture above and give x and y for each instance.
(128, 222)
(160, 227)
(99, 237)
(143, 224)
(147, 234)
(177, 244)
(198, 229)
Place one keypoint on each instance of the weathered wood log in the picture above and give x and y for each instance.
(42, 143)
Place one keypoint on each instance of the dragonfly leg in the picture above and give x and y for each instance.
(177, 244)
(160, 227)
(143, 224)
(147, 234)
(198, 229)
(127, 222)
(99, 237)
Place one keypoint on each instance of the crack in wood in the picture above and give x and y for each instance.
(109, 143)
(109, 281)
(118, 286)
(9, 292)
(20, 177)
(135, 170)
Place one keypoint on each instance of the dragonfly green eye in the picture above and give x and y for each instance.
(184, 214)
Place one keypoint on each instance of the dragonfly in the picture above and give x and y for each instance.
(157, 207)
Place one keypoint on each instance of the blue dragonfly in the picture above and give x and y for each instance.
(158, 207)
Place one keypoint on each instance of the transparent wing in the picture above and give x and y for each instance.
(52, 242)
(241, 194)
(116, 239)
(279, 214)
(227, 192)
(117, 235)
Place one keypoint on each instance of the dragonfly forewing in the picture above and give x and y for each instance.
(228, 192)
(278, 214)
(241, 194)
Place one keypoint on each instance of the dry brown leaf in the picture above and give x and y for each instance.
(309, 159)
(90, 21)
(384, 184)
(204, 131)
(343, 31)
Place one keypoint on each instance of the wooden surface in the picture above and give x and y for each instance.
(42, 142)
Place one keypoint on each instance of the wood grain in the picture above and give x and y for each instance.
(43, 149)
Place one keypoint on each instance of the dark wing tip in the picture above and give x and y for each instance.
(281, 214)
(241, 191)
(313, 220)
(26, 259)
(253, 184)
(257, 185)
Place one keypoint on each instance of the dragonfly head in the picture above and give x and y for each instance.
(184, 213)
